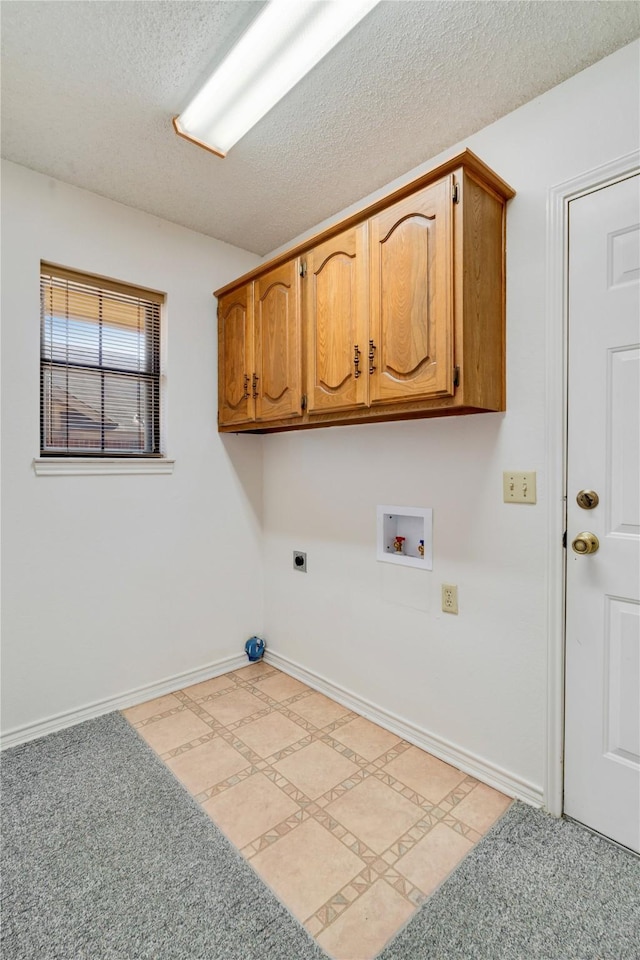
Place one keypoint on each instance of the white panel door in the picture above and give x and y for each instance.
(602, 721)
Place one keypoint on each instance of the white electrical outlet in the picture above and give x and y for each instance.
(449, 598)
(519, 487)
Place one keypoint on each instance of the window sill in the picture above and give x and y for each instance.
(103, 466)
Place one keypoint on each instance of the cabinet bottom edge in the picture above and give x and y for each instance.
(379, 416)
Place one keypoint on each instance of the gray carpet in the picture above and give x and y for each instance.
(106, 857)
(535, 888)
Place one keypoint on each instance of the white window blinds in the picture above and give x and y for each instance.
(100, 366)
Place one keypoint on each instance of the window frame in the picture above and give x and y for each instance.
(138, 461)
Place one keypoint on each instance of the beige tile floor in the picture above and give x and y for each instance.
(350, 825)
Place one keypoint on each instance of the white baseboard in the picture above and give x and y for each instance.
(468, 762)
(18, 735)
(484, 770)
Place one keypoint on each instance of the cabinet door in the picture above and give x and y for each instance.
(412, 297)
(336, 311)
(235, 356)
(278, 367)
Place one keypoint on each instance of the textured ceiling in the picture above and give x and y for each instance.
(89, 89)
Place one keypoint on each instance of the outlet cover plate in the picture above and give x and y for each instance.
(449, 598)
(299, 561)
(519, 487)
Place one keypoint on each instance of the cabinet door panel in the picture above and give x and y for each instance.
(337, 322)
(412, 297)
(235, 356)
(278, 389)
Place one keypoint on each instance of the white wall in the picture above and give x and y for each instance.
(478, 680)
(112, 583)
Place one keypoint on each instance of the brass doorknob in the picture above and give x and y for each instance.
(585, 543)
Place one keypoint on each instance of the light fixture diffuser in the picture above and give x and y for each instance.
(284, 42)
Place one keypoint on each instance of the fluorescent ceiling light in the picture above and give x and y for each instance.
(284, 42)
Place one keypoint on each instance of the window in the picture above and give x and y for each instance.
(99, 367)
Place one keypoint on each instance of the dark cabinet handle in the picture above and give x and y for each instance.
(372, 352)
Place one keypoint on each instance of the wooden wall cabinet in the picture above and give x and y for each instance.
(235, 357)
(278, 371)
(336, 315)
(411, 339)
(395, 313)
(259, 350)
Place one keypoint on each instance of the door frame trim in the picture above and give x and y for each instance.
(556, 407)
